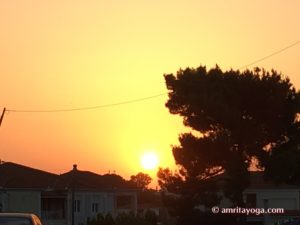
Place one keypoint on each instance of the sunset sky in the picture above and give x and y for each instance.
(63, 54)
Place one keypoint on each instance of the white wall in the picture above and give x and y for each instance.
(106, 204)
(21, 201)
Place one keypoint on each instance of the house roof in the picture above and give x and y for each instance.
(14, 175)
(82, 180)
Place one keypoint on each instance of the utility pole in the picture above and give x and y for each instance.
(73, 194)
(1, 118)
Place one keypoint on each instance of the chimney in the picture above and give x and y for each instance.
(74, 167)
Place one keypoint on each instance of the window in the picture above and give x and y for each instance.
(251, 200)
(124, 202)
(95, 207)
(77, 205)
(266, 203)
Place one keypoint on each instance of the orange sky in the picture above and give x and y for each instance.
(58, 54)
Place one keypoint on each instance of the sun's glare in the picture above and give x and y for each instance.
(149, 160)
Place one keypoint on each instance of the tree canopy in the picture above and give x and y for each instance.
(141, 180)
(238, 120)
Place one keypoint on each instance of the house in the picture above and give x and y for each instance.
(282, 199)
(67, 199)
(262, 194)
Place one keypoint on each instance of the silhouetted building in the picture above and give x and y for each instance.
(263, 195)
(65, 199)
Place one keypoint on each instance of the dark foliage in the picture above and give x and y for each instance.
(140, 180)
(236, 118)
(109, 220)
(196, 217)
(151, 217)
(124, 219)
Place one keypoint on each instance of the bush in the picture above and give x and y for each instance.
(124, 219)
(197, 217)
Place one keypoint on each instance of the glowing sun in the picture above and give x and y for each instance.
(149, 160)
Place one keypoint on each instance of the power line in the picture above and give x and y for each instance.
(270, 55)
(144, 98)
(89, 107)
